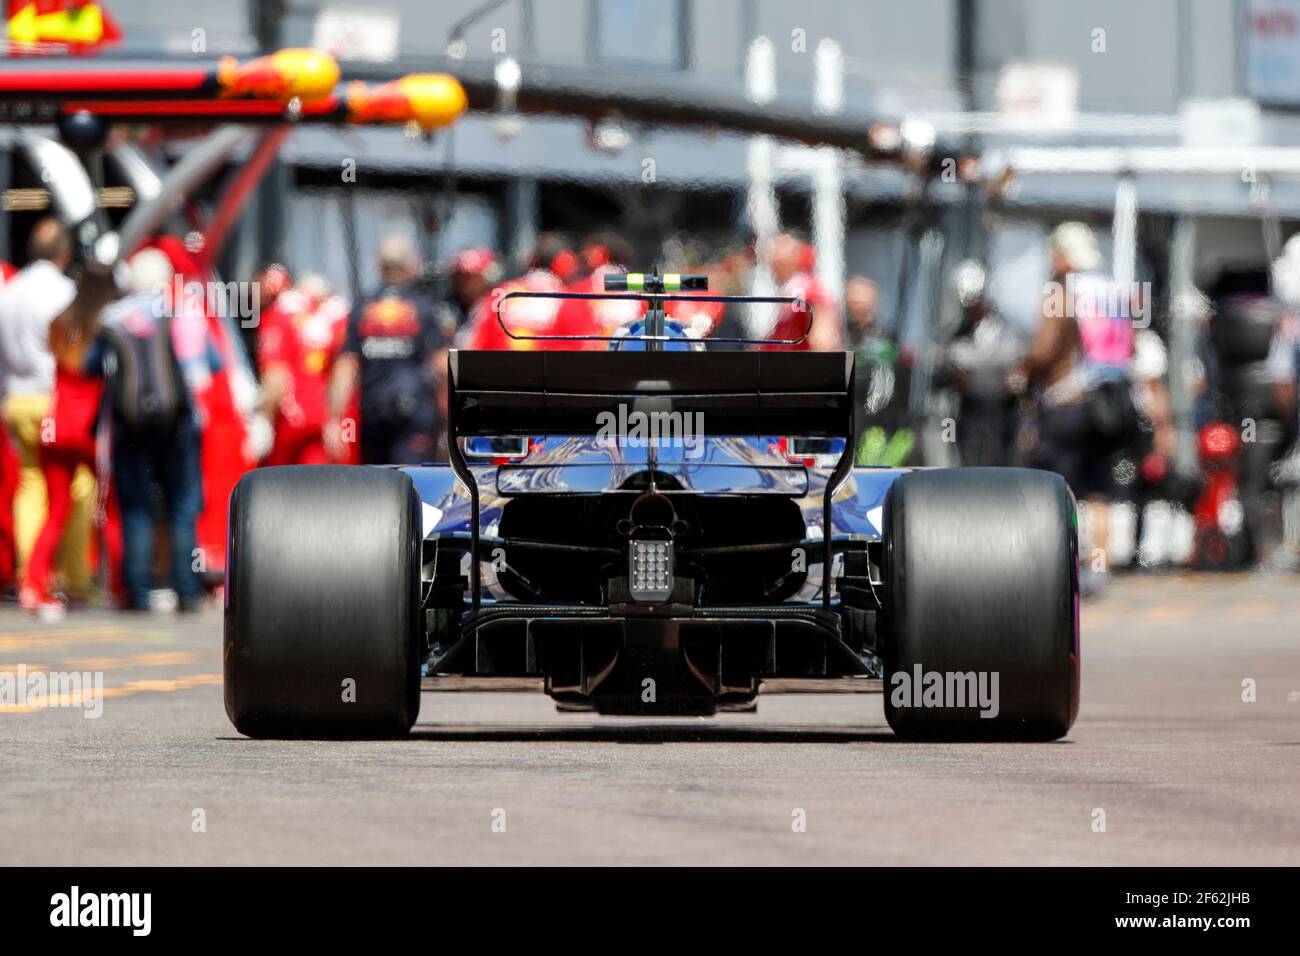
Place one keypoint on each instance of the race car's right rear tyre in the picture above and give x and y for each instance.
(322, 633)
(980, 629)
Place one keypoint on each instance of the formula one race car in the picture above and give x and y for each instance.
(654, 528)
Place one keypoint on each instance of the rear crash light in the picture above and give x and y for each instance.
(650, 570)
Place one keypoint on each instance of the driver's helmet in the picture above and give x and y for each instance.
(625, 340)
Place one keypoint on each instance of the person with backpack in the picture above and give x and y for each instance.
(154, 354)
(1079, 366)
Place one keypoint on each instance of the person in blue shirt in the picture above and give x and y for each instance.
(394, 352)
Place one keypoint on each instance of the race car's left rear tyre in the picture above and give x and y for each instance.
(981, 582)
(322, 632)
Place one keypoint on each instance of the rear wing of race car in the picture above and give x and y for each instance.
(736, 393)
(539, 393)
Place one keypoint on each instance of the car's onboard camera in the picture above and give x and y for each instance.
(652, 528)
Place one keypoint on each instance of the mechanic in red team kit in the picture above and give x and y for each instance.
(792, 264)
(601, 255)
(523, 317)
(299, 339)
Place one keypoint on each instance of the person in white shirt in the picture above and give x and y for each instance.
(29, 302)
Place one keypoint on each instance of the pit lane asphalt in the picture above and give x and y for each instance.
(1185, 771)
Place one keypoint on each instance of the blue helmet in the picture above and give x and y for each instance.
(672, 328)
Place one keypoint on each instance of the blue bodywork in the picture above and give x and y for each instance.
(708, 466)
(558, 465)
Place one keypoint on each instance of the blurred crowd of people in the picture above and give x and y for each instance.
(125, 400)
(132, 406)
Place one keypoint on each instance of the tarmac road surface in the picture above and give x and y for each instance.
(1166, 753)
